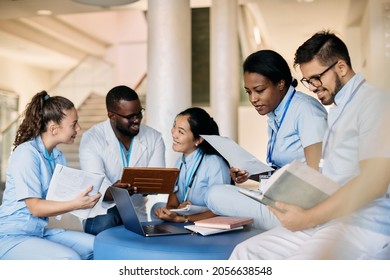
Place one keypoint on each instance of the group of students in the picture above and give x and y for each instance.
(350, 144)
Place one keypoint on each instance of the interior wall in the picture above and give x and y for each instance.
(23, 79)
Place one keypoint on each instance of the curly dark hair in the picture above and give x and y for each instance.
(38, 113)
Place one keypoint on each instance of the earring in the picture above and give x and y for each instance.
(196, 144)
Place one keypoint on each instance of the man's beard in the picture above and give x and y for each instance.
(338, 87)
(126, 132)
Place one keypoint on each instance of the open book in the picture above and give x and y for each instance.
(295, 183)
(67, 183)
(236, 155)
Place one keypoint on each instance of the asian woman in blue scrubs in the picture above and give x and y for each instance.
(296, 126)
(200, 165)
(48, 121)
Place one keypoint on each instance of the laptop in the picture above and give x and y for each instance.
(131, 222)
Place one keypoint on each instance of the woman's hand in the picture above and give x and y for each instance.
(166, 215)
(184, 204)
(85, 201)
(239, 176)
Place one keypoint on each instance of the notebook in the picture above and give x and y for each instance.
(150, 180)
(131, 222)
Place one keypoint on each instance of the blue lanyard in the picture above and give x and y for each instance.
(273, 135)
(191, 177)
(51, 160)
(125, 161)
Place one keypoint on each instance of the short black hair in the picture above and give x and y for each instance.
(324, 46)
(118, 93)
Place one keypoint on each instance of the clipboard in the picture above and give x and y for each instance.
(150, 180)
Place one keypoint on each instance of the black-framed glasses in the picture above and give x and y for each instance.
(131, 117)
(315, 81)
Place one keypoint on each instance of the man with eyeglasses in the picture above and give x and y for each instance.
(354, 222)
(119, 142)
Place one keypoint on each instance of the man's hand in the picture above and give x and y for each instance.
(128, 187)
(292, 217)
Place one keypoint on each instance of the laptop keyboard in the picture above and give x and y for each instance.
(148, 229)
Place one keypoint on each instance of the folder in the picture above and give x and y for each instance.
(150, 180)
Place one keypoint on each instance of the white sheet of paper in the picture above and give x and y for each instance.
(67, 183)
(190, 210)
(236, 155)
(209, 231)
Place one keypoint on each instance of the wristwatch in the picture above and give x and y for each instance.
(185, 218)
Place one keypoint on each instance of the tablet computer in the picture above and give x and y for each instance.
(150, 180)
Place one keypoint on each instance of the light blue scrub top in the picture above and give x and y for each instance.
(213, 170)
(304, 124)
(359, 130)
(28, 175)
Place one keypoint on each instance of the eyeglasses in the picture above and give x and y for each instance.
(132, 117)
(315, 81)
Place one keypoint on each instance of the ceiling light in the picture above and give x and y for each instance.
(105, 3)
(44, 12)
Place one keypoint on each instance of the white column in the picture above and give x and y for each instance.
(169, 66)
(225, 66)
(378, 52)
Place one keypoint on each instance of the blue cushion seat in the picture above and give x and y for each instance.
(118, 243)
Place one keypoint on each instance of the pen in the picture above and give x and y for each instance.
(186, 195)
(189, 188)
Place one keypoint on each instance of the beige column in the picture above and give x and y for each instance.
(169, 66)
(225, 66)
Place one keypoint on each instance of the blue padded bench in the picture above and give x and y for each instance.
(118, 243)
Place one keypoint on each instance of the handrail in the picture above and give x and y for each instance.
(140, 81)
(70, 71)
(10, 124)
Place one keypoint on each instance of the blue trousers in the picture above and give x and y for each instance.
(102, 222)
(66, 245)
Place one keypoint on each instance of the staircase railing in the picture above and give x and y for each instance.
(97, 75)
(9, 117)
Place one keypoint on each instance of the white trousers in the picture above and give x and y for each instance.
(334, 241)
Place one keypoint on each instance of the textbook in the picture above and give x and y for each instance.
(67, 183)
(209, 231)
(236, 155)
(223, 222)
(295, 183)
